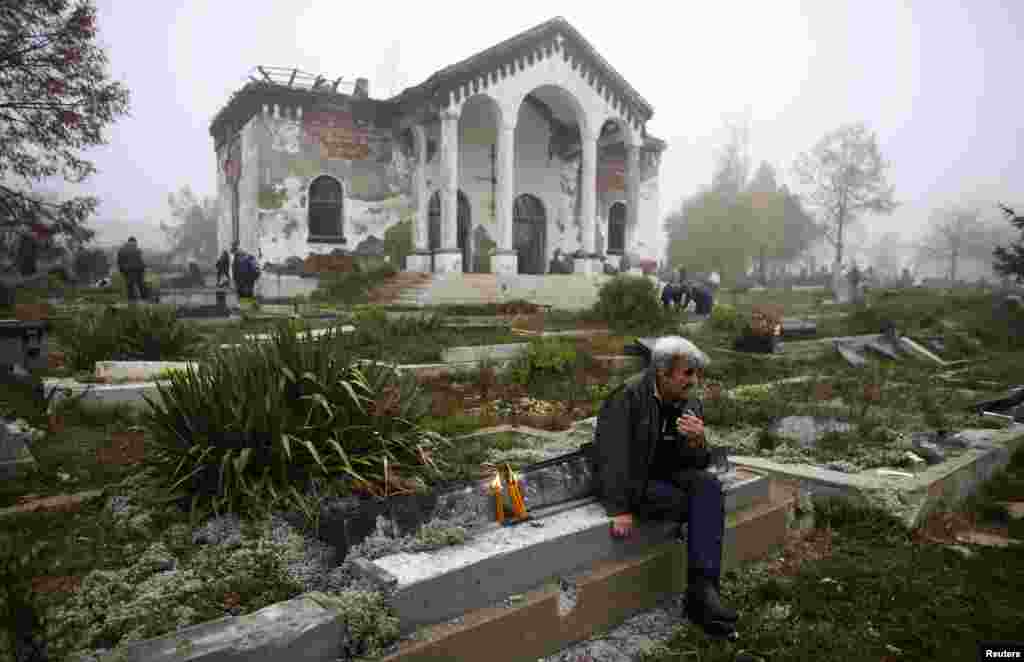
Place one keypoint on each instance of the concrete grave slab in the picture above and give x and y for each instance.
(432, 587)
(483, 352)
(304, 628)
(139, 370)
(985, 539)
(947, 482)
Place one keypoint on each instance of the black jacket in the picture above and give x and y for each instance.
(129, 258)
(628, 429)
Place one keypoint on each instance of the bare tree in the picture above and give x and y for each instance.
(732, 167)
(845, 177)
(959, 232)
(887, 254)
(195, 234)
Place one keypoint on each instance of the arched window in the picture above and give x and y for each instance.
(325, 210)
(617, 229)
(530, 238)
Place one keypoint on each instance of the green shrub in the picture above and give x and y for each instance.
(544, 357)
(135, 333)
(250, 426)
(726, 319)
(352, 287)
(629, 302)
(398, 242)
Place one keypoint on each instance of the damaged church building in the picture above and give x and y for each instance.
(531, 146)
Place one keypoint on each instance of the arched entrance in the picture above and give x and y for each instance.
(462, 233)
(530, 233)
(617, 229)
(325, 209)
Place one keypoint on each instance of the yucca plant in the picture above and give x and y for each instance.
(249, 427)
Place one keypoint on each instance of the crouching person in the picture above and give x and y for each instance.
(652, 463)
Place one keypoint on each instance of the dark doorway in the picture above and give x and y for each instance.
(530, 230)
(325, 206)
(617, 229)
(461, 235)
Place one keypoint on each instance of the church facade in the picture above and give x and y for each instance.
(533, 146)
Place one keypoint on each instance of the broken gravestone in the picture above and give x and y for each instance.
(16, 459)
(762, 333)
(850, 354)
(807, 430)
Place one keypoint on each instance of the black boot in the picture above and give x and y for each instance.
(704, 605)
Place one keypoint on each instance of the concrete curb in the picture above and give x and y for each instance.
(564, 610)
(500, 561)
(911, 499)
(301, 628)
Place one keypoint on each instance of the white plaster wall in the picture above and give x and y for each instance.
(551, 180)
(248, 188)
(648, 220)
(224, 204)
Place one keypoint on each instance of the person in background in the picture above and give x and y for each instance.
(703, 298)
(247, 272)
(236, 260)
(195, 277)
(132, 267)
(674, 293)
(223, 269)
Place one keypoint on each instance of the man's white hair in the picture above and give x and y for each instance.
(667, 348)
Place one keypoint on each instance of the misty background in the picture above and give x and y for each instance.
(936, 81)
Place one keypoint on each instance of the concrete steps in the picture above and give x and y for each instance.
(404, 288)
(570, 608)
(570, 291)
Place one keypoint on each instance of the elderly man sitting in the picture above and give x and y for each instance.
(652, 462)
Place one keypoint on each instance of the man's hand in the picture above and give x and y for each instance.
(693, 428)
(622, 525)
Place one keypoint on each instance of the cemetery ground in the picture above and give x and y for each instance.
(103, 568)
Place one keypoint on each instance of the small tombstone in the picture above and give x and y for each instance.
(888, 330)
(807, 430)
(880, 348)
(850, 355)
(766, 320)
(873, 392)
(763, 332)
(823, 391)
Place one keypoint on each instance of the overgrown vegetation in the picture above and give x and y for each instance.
(251, 425)
(864, 587)
(220, 421)
(351, 288)
(630, 303)
(134, 333)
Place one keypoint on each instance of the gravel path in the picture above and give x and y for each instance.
(625, 642)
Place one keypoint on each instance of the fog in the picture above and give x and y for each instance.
(937, 81)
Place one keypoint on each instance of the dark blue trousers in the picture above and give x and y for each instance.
(694, 497)
(704, 299)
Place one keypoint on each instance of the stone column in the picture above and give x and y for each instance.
(632, 196)
(449, 258)
(419, 260)
(506, 260)
(588, 206)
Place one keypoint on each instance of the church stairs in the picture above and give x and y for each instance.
(402, 288)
